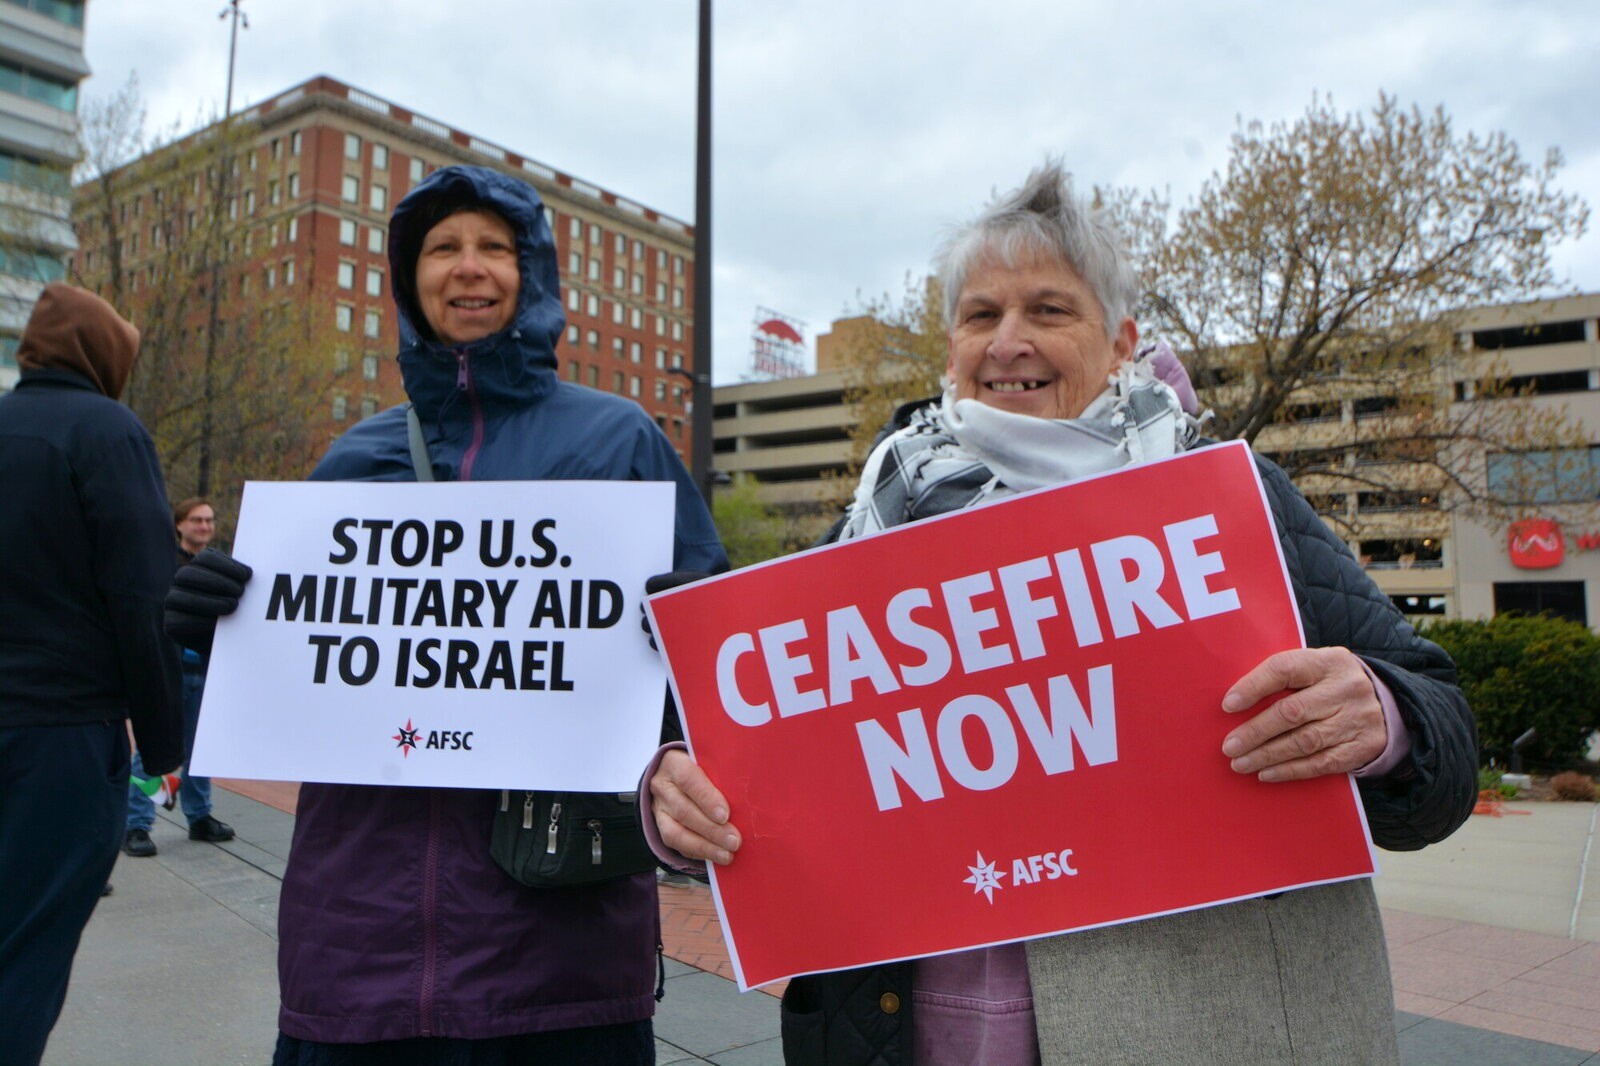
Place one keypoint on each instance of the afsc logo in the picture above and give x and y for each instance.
(989, 877)
(411, 737)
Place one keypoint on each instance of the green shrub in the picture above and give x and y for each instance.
(1522, 672)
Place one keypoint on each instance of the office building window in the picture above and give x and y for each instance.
(592, 305)
(634, 386)
(616, 347)
(61, 95)
(575, 228)
(380, 157)
(677, 296)
(677, 331)
(636, 352)
(352, 146)
(374, 282)
(372, 322)
(1564, 599)
(416, 170)
(594, 377)
(594, 269)
(369, 367)
(621, 245)
(294, 229)
(294, 143)
(572, 299)
(619, 277)
(616, 382)
(343, 317)
(294, 186)
(347, 274)
(379, 200)
(574, 263)
(594, 237)
(573, 336)
(594, 339)
(1565, 475)
(661, 391)
(635, 318)
(350, 189)
(616, 313)
(369, 406)
(339, 412)
(288, 271)
(347, 231)
(375, 240)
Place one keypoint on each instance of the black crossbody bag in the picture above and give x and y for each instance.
(556, 839)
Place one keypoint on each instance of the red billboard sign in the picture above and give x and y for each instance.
(1000, 724)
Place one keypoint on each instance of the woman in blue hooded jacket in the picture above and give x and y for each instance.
(400, 939)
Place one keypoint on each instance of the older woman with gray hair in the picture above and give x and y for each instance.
(1046, 383)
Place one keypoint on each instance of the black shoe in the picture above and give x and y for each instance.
(137, 842)
(210, 830)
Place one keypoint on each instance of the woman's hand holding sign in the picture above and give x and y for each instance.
(1330, 721)
(691, 814)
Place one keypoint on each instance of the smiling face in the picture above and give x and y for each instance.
(467, 277)
(1031, 338)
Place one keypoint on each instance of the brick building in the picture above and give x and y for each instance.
(317, 171)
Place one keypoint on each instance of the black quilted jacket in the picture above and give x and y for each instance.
(863, 1017)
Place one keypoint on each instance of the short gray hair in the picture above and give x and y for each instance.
(1044, 215)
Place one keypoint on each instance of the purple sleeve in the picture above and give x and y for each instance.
(647, 816)
(1399, 742)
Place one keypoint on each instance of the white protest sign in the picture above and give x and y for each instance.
(468, 634)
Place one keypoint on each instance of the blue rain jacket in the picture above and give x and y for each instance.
(394, 922)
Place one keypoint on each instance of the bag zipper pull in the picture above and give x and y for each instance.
(527, 813)
(550, 843)
(594, 846)
(505, 799)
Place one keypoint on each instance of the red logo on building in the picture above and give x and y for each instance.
(1536, 544)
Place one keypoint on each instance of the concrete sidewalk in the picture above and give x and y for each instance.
(178, 966)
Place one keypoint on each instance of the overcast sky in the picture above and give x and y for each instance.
(847, 134)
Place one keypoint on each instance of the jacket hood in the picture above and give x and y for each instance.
(513, 367)
(73, 329)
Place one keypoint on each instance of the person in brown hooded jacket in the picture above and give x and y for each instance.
(85, 562)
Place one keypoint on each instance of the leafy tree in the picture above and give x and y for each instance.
(1313, 289)
(233, 372)
(1519, 673)
(1320, 277)
(896, 353)
(751, 531)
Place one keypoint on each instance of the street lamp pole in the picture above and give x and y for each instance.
(700, 423)
(219, 191)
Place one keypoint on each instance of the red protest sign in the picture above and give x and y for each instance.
(1001, 723)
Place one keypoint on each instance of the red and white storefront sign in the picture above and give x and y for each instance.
(1000, 724)
(1536, 544)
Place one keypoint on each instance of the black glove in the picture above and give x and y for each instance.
(661, 583)
(202, 592)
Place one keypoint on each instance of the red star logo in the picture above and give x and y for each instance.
(406, 739)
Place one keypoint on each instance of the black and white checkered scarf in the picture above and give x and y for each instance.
(957, 453)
